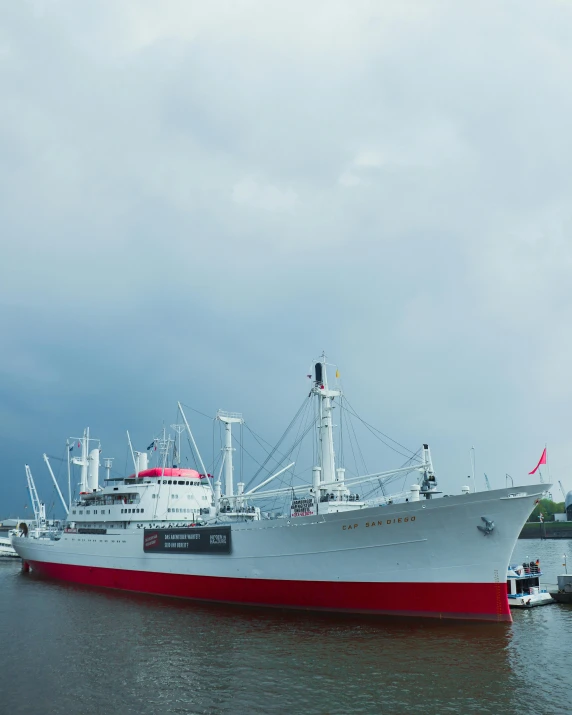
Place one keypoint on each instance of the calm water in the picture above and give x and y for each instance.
(83, 652)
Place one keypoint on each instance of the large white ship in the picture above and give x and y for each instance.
(172, 531)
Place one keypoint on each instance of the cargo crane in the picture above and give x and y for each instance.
(38, 506)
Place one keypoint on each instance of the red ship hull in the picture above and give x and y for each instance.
(466, 601)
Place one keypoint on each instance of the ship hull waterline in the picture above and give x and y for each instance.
(465, 601)
(423, 559)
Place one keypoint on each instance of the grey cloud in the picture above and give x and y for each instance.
(196, 202)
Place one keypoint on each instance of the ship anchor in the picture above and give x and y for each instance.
(488, 527)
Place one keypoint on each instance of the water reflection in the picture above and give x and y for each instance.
(106, 652)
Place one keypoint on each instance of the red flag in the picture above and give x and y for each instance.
(541, 461)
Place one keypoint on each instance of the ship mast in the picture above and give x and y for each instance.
(83, 443)
(163, 448)
(89, 463)
(228, 419)
(326, 472)
(84, 464)
(177, 450)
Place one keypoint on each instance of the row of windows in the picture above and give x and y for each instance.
(88, 511)
(137, 511)
(182, 483)
(183, 511)
(111, 500)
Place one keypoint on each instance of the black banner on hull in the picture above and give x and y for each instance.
(195, 540)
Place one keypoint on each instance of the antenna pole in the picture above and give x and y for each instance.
(135, 464)
(108, 462)
(178, 429)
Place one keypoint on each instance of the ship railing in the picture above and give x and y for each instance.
(542, 588)
(236, 509)
(333, 497)
(109, 501)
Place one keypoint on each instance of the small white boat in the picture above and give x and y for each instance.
(523, 586)
(6, 548)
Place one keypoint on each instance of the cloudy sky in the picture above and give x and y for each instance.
(196, 199)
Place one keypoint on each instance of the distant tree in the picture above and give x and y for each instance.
(548, 508)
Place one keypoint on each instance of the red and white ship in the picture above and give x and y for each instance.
(171, 531)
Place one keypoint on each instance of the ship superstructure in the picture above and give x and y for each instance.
(176, 531)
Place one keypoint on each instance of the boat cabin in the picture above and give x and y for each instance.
(523, 586)
(523, 577)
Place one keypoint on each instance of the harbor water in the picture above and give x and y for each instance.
(74, 650)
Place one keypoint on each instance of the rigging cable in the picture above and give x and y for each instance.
(275, 449)
(257, 438)
(297, 441)
(394, 477)
(373, 431)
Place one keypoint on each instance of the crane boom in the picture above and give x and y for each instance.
(53, 476)
(38, 506)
